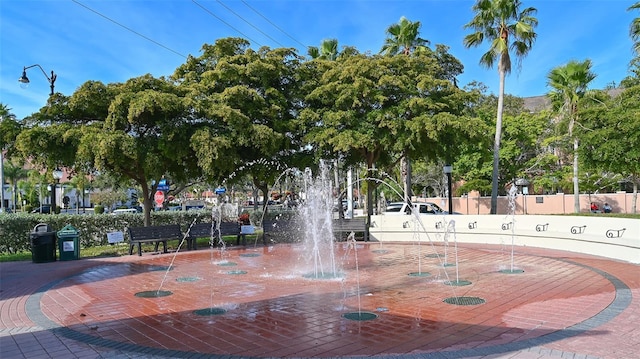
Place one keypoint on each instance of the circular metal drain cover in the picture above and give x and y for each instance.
(209, 311)
(227, 264)
(464, 300)
(360, 316)
(237, 272)
(155, 268)
(187, 279)
(432, 255)
(250, 255)
(380, 251)
(512, 271)
(328, 275)
(457, 283)
(449, 265)
(419, 274)
(153, 293)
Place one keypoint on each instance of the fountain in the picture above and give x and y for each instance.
(319, 298)
(315, 216)
(513, 193)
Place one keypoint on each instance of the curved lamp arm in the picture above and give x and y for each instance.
(25, 80)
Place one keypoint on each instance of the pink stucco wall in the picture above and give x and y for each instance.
(538, 204)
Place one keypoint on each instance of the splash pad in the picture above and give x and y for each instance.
(364, 299)
(273, 311)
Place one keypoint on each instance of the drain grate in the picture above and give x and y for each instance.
(187, 279)
(237, 272)
(457, 283)
(327, 275)
(464, 300)
(361, 316)
(419, 274)
(250, 255)
(209, 311)
(512, 271)
(432, 255)
(153, 294)
(227, 264)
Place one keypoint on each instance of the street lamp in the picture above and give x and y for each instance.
(448, 169)
(25, 80)
(57, 175)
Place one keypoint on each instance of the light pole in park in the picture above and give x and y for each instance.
(57, 175)
(448, 169)
(24, 80)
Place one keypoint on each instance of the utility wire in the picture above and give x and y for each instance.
(250, 24)
(224, 22)
(274, 25)
(129, 29)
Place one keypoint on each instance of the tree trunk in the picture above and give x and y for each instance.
(496, 146)
(576, 190)
(406, 174)
(148, 203)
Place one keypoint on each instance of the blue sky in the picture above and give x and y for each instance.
(115, 40)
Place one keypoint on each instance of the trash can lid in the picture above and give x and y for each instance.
(42, 227)
(68, 230)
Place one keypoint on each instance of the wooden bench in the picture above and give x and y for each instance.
(356, 225)
(289, 228)
(199, 230)
(285, 228)
(210, 230)
(155, 234)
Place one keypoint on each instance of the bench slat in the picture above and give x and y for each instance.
(157, 234)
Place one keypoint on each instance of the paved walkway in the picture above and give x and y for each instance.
(265, 302)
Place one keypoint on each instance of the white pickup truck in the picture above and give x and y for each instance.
(400, 208)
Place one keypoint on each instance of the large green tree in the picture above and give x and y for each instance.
(611, 137)
(404, 38)
(136, 130)
(569, 84)
(507, 28)
(244, 103)
(373, 109)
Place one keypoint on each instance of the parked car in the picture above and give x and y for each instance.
(124, 210)
(401, 208)
(45, 208)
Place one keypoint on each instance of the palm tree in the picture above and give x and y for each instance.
(634, 30)
(403, 38)
(507, 28)
(328, 50)
(570, 83)
(13, 173)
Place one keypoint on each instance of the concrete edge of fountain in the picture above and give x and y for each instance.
(615, 238)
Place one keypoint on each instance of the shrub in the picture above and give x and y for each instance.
(98, 209)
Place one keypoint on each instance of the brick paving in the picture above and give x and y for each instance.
(264, 302)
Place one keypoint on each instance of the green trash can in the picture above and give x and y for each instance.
(43, 244)
(68, 243)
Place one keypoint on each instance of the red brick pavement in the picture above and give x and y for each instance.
(562, 305)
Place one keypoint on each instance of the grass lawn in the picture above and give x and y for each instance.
(122, 249)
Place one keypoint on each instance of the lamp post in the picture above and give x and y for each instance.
(57, 175)
(447, 170)
(25, 80)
